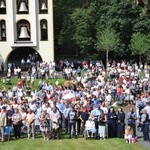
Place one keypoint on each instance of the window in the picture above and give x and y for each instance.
(23, 30)
(44, 29)
(22, 7)
(2, 30)
(43, 6)
(2, 7)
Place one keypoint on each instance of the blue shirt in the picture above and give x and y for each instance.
(66, 112)
(60, 106)
(132, 116)
(95, 101)
(95, 112)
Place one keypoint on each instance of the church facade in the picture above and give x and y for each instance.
(26, 29)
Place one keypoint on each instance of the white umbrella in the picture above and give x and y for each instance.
(68, 96)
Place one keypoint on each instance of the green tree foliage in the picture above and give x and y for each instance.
(63, 28)
(82, 21)
(77, 23)
(107, 40)
(140, 44)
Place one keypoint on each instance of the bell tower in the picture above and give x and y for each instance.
(26, 23)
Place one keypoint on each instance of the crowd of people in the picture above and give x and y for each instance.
(89, 103)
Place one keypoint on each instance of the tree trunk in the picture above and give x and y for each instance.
(139, 58)
(106, 62)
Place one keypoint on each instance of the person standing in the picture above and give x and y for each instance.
(83, 117)
(144, 122)
(131, 120)
(95, 113)
(102, 120)
(65, 117)
(120, 123)
(79, 71)
(55, 120)
(111, 116)
(120, 94)
(147, 108)
(3, 121)
(30, 123)
(22, 62)
(16, 119)
(2, 67)
(72, 116)
(44, 126)
(28, 89)
(19, 72)
(9, 114)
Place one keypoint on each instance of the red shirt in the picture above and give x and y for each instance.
(119, 91)
(19, 84)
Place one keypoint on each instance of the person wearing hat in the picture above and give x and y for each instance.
(3, 121)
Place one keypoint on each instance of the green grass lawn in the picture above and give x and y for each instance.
(64, 144)
(69, 144)
(15, 79)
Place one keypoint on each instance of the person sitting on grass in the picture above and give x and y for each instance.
(128, 134)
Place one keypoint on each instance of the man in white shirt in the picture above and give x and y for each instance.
(108, 99)
(10, 93)
(32, 105)
(55, 122)
(54, 114)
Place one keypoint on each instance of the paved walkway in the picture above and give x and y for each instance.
(145, 144)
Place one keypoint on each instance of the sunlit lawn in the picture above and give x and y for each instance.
(15, 79)
(65, 143)
(69, 144)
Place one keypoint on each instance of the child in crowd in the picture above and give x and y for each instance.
(128, 134)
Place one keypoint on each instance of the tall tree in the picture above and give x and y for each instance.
(82, 36)
(76, 23)
(62, 10)
(140, 44)
(107, 40)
